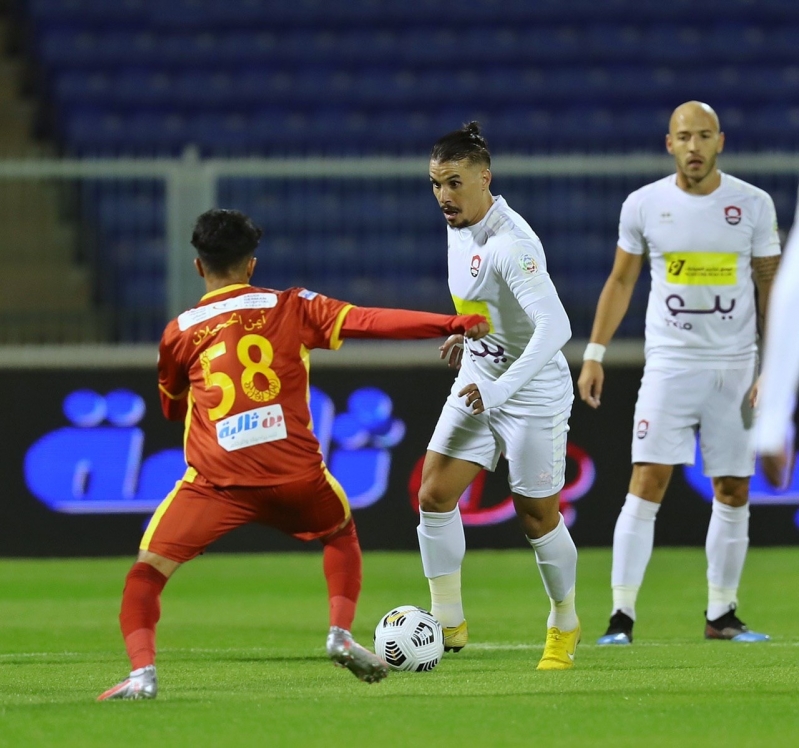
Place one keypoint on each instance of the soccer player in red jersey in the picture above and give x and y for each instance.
(235, 368)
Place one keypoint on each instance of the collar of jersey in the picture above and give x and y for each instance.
(689, 196)
(225, 289)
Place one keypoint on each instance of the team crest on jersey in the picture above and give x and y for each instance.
(642, 429)
(527, 263)
(474, 268)
(732, 215)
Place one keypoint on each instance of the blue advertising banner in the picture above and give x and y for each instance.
(88, 457)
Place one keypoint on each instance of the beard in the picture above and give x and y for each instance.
(708, 167)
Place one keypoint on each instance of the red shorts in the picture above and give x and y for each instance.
(196, 513)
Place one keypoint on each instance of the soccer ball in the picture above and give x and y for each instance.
(409, 638)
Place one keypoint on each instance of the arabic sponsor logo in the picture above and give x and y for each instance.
(257, 426)
(474, 269)
(498, 355)
(642, 429)
(676, 305)
(732, 215)
(701, 268)
(465, 306)
(527, 263)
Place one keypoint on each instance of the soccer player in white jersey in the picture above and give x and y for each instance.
(512, 395)
(707, 236)
(774, 438)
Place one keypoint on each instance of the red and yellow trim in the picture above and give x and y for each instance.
(188, 477)
(339, 491)
(187, 422)
(174, 397)
(335, 340)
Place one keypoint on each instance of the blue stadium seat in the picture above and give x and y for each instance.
(80, 87)
(615, 42)
(739, 42)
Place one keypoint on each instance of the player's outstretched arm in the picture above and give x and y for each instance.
(611, 308)
(404, 324)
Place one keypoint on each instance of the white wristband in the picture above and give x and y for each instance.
(594, 352)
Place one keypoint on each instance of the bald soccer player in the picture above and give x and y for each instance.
(711, 240)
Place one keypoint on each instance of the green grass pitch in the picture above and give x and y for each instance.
(242, 659)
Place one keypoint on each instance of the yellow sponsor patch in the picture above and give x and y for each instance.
(473, 307)
(702, 268)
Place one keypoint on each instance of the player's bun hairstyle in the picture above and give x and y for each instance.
(223, 238)
(466, 144)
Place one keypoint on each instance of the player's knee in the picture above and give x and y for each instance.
(649, 482)
(434, 497)
(165, 566)
(538, 517)
(731, 491)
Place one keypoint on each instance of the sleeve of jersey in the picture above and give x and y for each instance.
(780, 376)
(766, 238)
(536, 294)
(403, 324)
(631, 237)
(320, 318)
(173, 383)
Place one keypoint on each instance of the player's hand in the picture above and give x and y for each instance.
(480, 330)
(452, 348)
(753, 393)
(777, 469)
(592, 377)
(473, 399)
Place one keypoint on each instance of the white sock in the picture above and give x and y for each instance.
(633, 540)
(443, 545)
(556, 556)
(726, 545)
(445, 598)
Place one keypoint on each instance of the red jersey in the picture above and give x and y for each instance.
(237, 364)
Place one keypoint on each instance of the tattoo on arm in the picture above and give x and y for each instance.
(764, 269)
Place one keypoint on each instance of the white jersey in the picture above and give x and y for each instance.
(702, 300)
(780, 379)
(497, 268)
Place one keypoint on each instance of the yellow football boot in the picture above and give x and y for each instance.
(559, 649)
(455, 637)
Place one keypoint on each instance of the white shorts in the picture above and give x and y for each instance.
(533, 445)
(673, 404)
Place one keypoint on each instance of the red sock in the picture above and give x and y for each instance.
(343, 572)
(141, 609)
